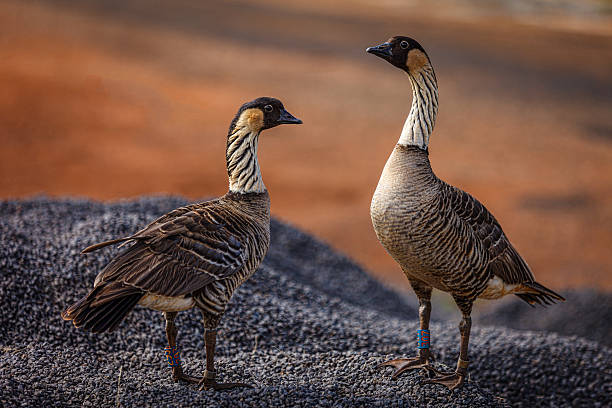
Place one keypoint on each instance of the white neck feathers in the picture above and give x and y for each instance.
(422, 117)
(241, 155)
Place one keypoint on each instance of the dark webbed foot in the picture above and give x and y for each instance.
(423, 292)
(404, 364)
(456, 379)
(450, 380)
(209, 382)
(179, 375)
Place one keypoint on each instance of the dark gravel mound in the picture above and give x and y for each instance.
(586, 313)
(308, 329)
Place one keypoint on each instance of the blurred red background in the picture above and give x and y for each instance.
(109, 100)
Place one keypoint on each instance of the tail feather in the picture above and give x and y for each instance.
(95, 247)
(535, 293)
(116, 312)
(97, 316)
(125, 308)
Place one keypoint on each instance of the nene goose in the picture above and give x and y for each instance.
(441, 237)
(196, 255)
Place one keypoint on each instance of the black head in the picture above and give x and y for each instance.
(403, 52)
(264, 113)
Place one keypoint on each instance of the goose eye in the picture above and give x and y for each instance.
(404, 44)
(268, 108)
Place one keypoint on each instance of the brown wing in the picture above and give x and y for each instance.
(126, 240)
(504, 260)
(178, 253)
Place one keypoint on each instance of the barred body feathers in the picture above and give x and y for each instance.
(440, 236)
(194, 256)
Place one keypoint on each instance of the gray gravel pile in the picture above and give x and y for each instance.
(307, 330)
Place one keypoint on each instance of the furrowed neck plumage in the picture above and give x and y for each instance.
(241, 154)
(422, 117)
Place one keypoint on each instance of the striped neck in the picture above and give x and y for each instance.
(422, 117)
(242, 165)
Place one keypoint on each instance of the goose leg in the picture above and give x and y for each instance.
(172, 351)
(455, 379)
(401, 365)
(209, 380)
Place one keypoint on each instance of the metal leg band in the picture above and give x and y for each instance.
(172, 356)
(462, 364)
(423, 339)
(210, 375)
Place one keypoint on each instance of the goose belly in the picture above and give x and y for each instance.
(167, 303)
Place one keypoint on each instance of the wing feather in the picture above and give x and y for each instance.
(179, 253)
(503, 259)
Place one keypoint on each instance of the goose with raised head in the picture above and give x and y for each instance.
(194, 256)
(441, 236)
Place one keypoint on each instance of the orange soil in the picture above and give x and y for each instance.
(111, 108)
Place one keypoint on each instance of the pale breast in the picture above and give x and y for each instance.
(396, 223)
(401, 207)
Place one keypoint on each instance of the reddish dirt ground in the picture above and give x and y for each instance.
(113, 103)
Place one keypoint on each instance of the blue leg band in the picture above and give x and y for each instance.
(423, 339)
(172, 356)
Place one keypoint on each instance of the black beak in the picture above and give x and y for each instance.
(287, 118)
(383, 50)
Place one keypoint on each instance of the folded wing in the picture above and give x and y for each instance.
(503, 259)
